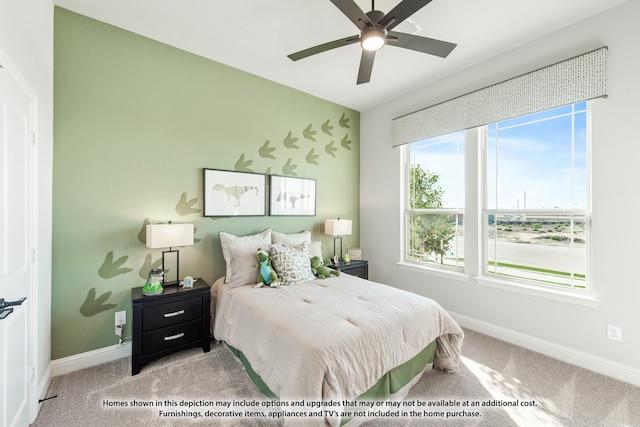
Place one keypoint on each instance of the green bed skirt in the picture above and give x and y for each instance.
(390, 383)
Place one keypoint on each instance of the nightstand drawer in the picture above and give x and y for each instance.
(172, 313)
(358, 268)
(171, 336)
(359, 271)
(175, 320)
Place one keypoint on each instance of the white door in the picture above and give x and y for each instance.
(16, 252)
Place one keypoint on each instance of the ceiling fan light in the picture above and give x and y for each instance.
(373, 38)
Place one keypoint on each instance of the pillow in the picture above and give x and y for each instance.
(242, 266)
(291, 239)
(315, 249)
(253, 241)
(291, 263)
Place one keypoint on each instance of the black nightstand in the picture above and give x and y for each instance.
(359, 268)
(175, 320)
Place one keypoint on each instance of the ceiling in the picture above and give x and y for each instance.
(256, 36)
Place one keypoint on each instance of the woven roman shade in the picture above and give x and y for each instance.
(574, 80)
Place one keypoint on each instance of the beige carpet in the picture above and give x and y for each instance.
(493, 372)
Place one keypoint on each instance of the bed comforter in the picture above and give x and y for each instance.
(331, 339)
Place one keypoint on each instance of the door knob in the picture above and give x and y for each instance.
(4, 311)
(4, 304)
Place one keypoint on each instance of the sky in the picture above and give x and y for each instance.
(528, 159)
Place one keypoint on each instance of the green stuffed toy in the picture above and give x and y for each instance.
(320, 269)
(266, 276)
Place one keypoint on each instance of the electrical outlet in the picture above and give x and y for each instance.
(614, 333)
(121, 318)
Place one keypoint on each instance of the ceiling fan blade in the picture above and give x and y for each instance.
(366, 65)
(420, 44)
(402, 11)
(353, 12)
(324, 47)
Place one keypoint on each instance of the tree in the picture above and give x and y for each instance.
(424, 193)
(428, 233)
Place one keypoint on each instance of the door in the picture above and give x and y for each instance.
(16, 252)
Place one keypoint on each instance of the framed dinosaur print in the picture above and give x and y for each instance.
(292, 196)
(230, 193)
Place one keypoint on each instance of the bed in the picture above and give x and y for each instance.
(329, 340)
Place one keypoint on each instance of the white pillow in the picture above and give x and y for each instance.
(253, 241)
(291, 263)
(243, 268)
(291, 239)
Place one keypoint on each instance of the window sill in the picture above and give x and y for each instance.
(442, 272)
(554, 294)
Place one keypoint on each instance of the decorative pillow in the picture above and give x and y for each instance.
(291, 263)
(242, 266)
(315, 249)
(291, 239)
(253, 241)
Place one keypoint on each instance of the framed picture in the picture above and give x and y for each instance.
(229, 193)
(355, 253)
(292, 196)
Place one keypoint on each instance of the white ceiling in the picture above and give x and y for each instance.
(257, 35)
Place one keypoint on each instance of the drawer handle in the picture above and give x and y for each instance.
(175, 313)
(174, 337)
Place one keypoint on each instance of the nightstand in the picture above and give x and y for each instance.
(175, 320)
(359, 268)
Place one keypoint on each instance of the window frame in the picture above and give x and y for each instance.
(407, 211)
(476, 220)
(571, 212)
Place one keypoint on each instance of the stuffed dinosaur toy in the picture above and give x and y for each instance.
(267, 276)
(320, 269)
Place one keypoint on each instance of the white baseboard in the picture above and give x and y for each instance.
(44, 383)
(575, 357)
(89, 359)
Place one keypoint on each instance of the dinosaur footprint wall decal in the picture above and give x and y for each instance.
(184, 207)
(265, 151)
(327, 128)
(242, 165)
(142, 234)
(344, 121)
(290, 141)
(309, 133)
(111, 268)
(92, 305)
(312, 157)
(288, 168)
(330, 149)
(346, 142)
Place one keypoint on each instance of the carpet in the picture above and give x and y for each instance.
(497, 384)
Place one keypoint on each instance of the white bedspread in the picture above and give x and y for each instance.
(331, 339)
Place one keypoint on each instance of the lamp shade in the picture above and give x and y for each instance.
(337, 227)
(169, 235)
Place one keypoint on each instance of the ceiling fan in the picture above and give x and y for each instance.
(375, 31)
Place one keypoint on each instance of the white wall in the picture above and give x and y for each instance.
(26, 38)
(568, 331)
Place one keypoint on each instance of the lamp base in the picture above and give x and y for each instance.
(337, 258)
(177, 278)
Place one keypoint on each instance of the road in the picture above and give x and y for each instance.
(534, 255)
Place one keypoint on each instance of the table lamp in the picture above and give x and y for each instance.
(337, 228)
(169, 236)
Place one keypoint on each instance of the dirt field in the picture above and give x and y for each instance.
(540, 234)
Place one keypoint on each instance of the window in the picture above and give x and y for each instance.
(435, 201)
(537, 197)
(534, 199)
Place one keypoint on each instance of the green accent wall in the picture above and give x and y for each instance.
(135, 122)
